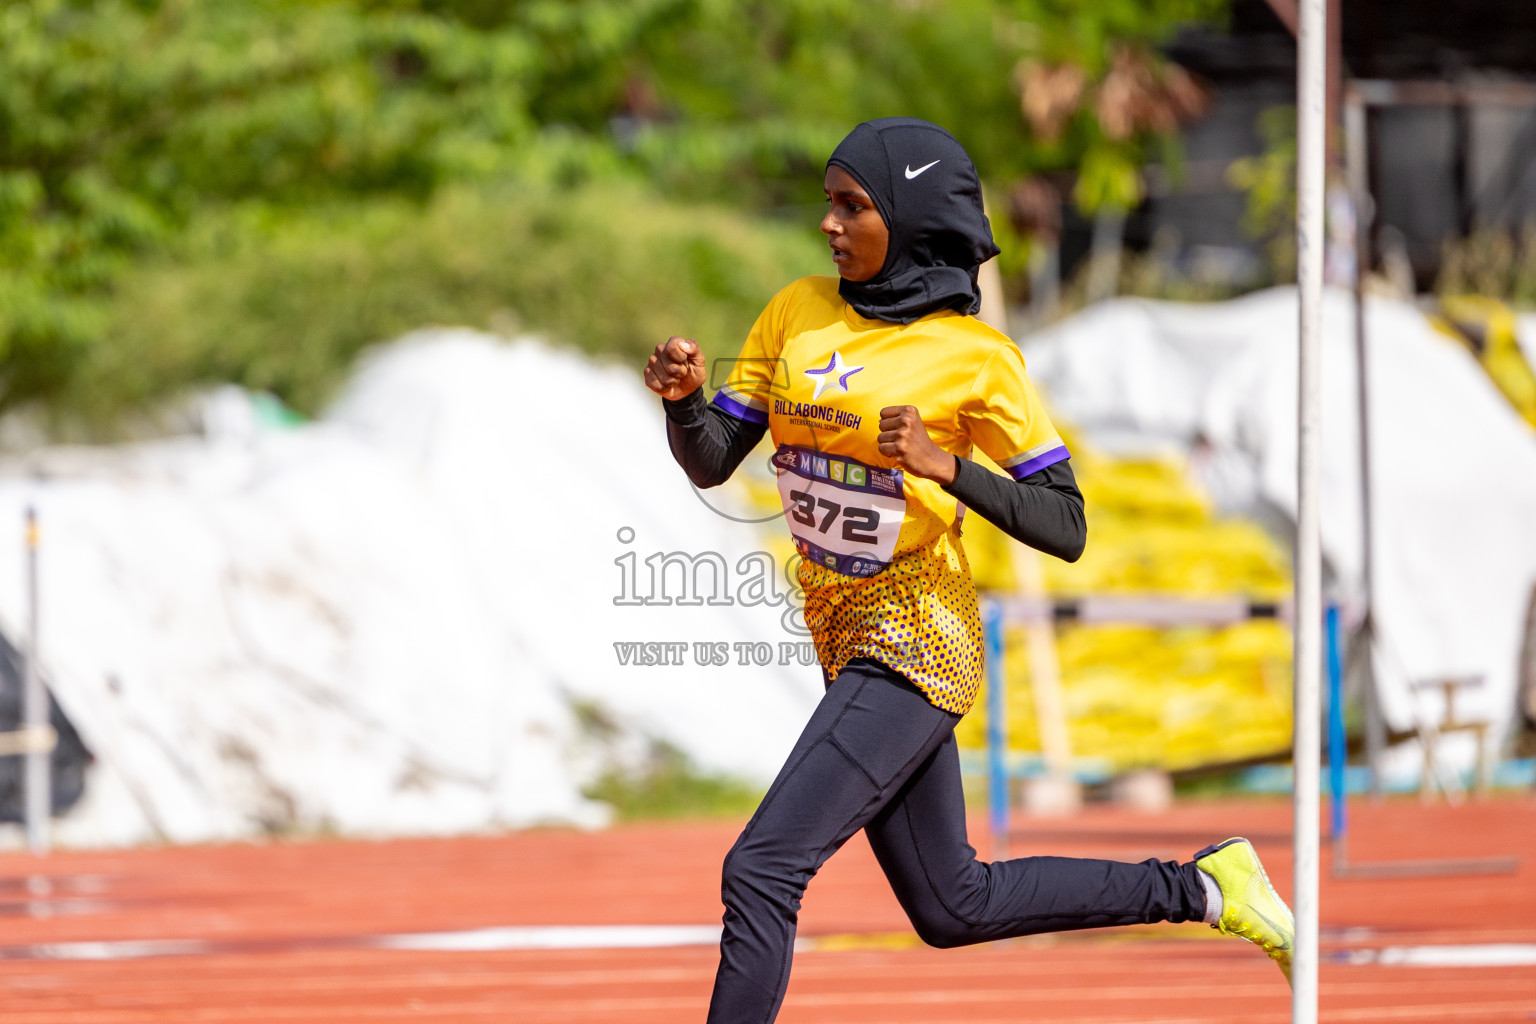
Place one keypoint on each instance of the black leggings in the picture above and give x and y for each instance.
(877, 755)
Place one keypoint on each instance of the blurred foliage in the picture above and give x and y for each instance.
(1153, 275)
(1163, 272)
(284, 306)
(669, 785)
(229, 190)
(1492, 262)
(1269, 182)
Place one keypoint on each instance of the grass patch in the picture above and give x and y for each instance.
(670, 786)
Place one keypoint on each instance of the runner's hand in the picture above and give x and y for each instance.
(676, 369)
(904, 438)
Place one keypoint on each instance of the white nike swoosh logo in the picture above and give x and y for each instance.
(912, 174)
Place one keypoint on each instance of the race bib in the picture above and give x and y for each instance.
(842, 514)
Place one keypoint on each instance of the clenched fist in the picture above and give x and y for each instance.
(904, 438)
(676, 369)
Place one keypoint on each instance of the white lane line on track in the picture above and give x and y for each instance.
(624, 936)
(595, 937)
(474, 940)
(1493, 954)
(131, 949)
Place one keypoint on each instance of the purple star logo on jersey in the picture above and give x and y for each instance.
(834, 373)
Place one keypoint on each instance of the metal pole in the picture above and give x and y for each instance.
(997, 727)
(1307, 753)
(1337, 792)
(39, 799)
(1357, 157)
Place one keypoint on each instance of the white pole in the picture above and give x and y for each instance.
(1311, 123)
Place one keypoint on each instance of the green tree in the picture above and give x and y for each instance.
(154, 149)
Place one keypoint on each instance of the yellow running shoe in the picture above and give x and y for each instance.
(1251, 908)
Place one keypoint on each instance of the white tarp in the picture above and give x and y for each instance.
(1454, 468)
(1525, 337)
(383, 622)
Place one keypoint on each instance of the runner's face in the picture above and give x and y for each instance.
(853, 227)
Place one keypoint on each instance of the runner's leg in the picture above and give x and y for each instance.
(953, 899)
(870, 732)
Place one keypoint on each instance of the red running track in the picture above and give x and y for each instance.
(281, 932)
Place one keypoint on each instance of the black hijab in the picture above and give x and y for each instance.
(925, 187)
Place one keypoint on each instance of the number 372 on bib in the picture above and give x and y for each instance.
(843, 514)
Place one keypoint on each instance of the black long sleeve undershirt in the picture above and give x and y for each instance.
(1043, 510)
(708, 442)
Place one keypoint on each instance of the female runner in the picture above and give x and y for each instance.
(875, 387)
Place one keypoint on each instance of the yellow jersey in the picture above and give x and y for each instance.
(882, 569)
